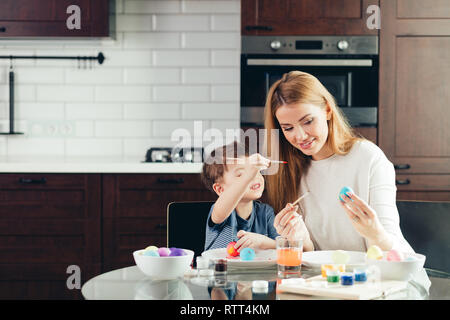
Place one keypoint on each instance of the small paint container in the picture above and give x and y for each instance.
(332, 276)
(202, 263)
(220, 267)
(336, 267)
(360, 275)
(347, 279)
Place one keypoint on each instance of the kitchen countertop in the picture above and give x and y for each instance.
(73, 164)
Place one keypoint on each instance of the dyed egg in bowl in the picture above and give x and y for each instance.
(399, 270)
(163, 268)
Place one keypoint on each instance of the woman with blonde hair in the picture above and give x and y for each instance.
(323, 155)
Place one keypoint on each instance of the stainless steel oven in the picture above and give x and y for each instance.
(346, 65)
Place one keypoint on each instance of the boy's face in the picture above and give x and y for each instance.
(235, 171)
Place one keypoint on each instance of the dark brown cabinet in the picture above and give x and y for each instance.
(48, 222)
(135, 211)
(414, 123)
(48, 18)
(306, 17)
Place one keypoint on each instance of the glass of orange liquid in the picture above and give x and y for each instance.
(289, 257)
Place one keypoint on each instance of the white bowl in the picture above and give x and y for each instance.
(398, 270)
(163, 268)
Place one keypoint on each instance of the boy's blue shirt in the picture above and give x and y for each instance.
(260, 221)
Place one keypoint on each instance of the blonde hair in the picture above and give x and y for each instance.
(300, 87)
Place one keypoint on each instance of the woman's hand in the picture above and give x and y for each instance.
(365, 220)
(290, 225)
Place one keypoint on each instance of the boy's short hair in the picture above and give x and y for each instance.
(215, 164)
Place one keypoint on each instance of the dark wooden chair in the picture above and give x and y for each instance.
(426, 226)
(186, 225)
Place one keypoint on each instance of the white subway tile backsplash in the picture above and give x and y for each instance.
(34, 75)
(225, 93)
(97, 76)
(93, 147)
(164, 40)
(152, 75)
(3, 110)
(139, 147)
(123, 129)
(39, 110)
(134, 22)
(229, 58)
(181, 58)
(129, 58)
(210, 75)
(145, 6)
(4, 78)
(64, 93)
(28, 146)
(122, 93)
(23, 92)
(219, 40)
(92, 111)
(212, 6)
(210, 111)
(84, 129)
(171, 64)
(182, 23)
(180, 93)
(165, 128)
(226, 23)
(152, 111)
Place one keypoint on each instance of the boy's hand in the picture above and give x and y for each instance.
(249, 240)
(256, 161)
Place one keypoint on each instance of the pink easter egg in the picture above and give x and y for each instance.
(394, 255)
(164, 252)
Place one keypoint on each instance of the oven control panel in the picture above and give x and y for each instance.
(310, 45)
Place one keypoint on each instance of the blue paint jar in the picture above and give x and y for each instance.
(360, 275)
(347, 279)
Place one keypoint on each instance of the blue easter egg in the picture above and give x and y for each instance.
(247, 254)
(151, 253)
(345, 190)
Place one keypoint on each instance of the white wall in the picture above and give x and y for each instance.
(172, 62)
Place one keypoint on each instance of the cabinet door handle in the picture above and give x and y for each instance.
(261, 28)
(32, 181)
(2, 29)
(402, 166)
(171, 181)
(402, 182)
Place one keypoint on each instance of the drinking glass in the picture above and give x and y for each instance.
(289, 257)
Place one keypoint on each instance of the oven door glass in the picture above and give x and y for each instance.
(353, 82)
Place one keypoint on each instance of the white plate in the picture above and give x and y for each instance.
(314, 259)
(263, 258)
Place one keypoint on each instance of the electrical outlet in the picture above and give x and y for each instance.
(51, 128)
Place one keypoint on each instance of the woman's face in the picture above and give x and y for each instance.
(305, 127)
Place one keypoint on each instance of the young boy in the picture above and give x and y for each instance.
(236, 216)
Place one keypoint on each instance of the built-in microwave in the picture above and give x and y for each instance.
(346, 65)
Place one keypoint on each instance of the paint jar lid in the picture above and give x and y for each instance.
(260, 284)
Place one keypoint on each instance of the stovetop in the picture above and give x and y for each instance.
(191, 155)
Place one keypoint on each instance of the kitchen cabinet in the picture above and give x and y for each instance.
(48, 18)
(414, 123)
(48, 222)
(306, 17)
(135, 211)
